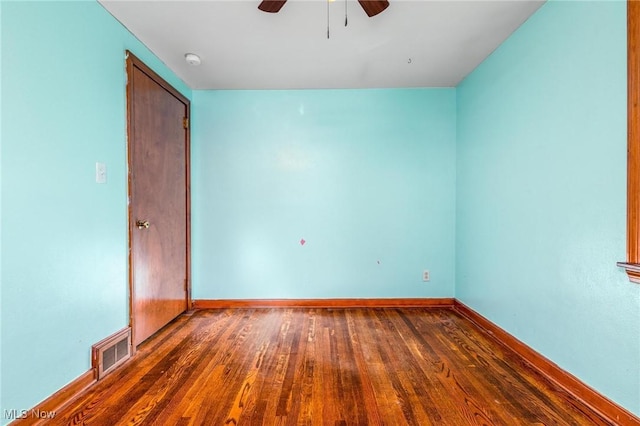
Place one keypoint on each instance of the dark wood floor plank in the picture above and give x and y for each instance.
(518, 384)
(405, 373)
(360, 364)
(315, 366)
(495, 376)
(389, 403)
(275, 370)
(167, 378)
(454, 400)
(450, 368)
(99, 399)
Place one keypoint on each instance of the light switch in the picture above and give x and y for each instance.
(101, 173)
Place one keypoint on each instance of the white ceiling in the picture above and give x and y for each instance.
(411, 44)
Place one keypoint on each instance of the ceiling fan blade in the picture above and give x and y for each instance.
(373, 7)
(271, 6)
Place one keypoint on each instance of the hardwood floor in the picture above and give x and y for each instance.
(414, 366)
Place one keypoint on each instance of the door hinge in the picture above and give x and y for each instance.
(185, 122)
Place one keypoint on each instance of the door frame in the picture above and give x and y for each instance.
(131, 62)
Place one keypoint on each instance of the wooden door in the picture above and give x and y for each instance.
(158, 200)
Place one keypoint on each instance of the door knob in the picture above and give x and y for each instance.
(142, 224)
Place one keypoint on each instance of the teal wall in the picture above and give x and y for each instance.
(537, 214)
(364, 176)
(1, 209)
(64, 237)
(541, 201)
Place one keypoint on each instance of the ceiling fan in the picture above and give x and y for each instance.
(371, 7)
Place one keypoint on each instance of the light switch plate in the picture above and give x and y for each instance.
(101, 173)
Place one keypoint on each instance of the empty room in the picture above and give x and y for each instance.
(320, 212)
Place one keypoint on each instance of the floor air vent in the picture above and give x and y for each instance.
(109, 353)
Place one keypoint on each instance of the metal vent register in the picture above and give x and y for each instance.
(109, 353)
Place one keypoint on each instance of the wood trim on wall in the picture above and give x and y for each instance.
(599, 403)
(633, 129)
(58, 400)
(323, 303)
(633, 142)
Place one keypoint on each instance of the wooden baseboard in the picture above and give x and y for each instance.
(47, 409)
(323, 303)
(596, 401)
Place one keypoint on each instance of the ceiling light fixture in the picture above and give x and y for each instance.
(192, 59)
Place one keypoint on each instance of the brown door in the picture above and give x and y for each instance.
(159, 200)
